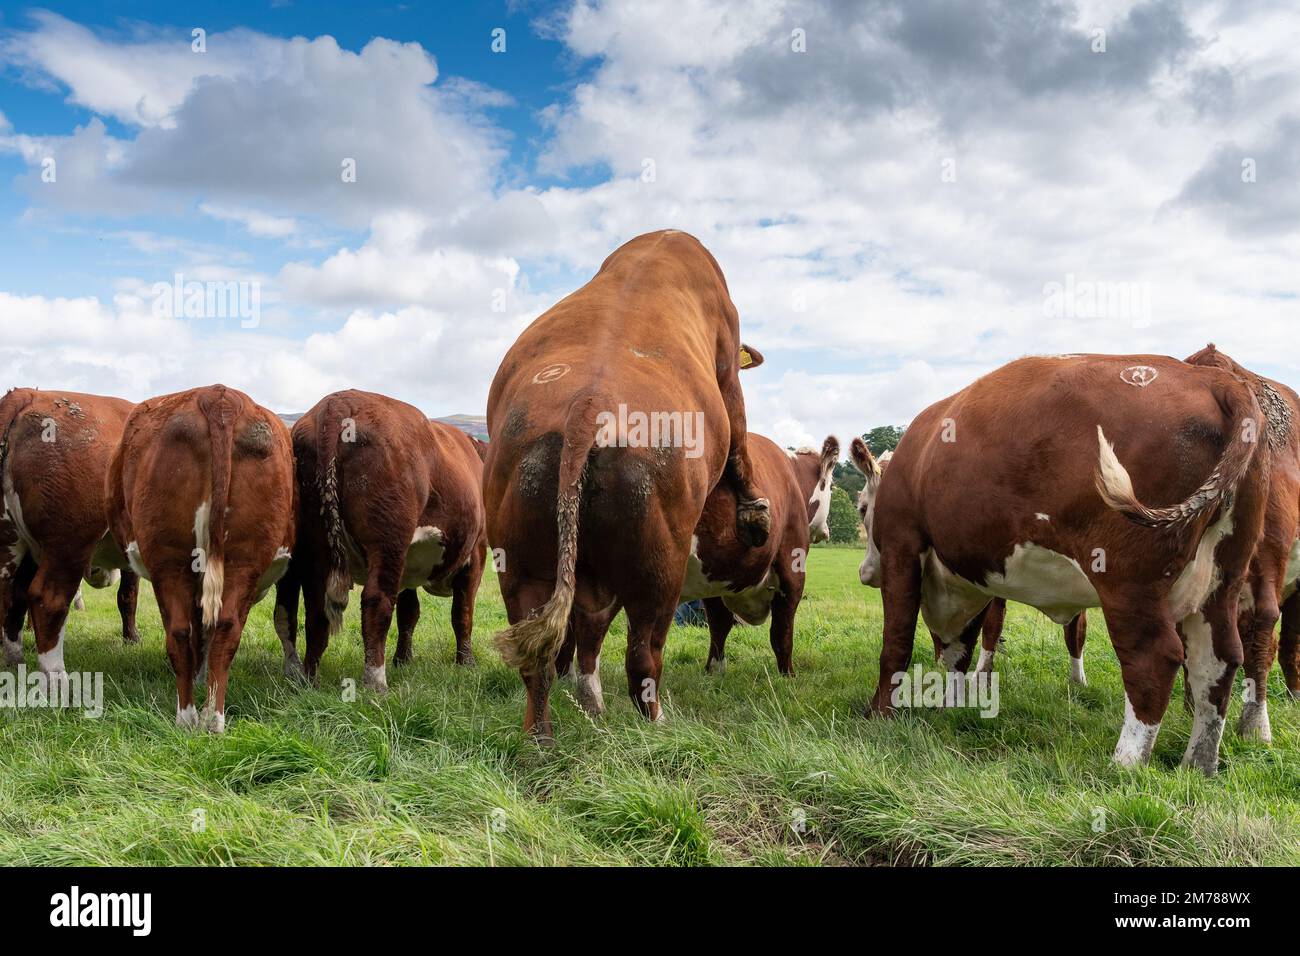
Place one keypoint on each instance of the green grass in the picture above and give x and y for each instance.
(439, 772)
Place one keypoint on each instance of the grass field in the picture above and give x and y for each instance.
(439, 772)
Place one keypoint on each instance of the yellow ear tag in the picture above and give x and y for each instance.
(746, 360)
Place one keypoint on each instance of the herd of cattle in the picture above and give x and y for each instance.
(1165, 492)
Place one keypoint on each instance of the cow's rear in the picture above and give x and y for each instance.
(201, 500)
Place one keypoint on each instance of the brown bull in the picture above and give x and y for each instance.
(738, 582)
(1270, 593)
(389, 500)
(54, 452)
(1156, 529)
(612, 419)
(201, 501)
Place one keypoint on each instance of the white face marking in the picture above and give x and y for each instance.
(697, 584)
(422, 555)
(1136, 740)
(1077, 676)
(820, 503)
(869, 570)
(51, 662)
(273, 573)
(136, 561)
(1200, 577)
(1204, 671)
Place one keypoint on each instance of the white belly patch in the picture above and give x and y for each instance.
(422, 555)
(751, 605)
(274, 572)
(1033, 575)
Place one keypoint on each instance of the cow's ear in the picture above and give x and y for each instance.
(750, 357)
(864, 460)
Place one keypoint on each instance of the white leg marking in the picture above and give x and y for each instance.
(213, 720)
(376, 679)
(1136, 740)
(188, 718)
(986, 661)
(1254, 722)
(14, 648)
(1077, 676)
(588, 691)
(51, 662)
(1204, 670)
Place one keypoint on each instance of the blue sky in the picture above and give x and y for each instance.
(893, 189)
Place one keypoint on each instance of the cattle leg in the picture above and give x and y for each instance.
(13, 598)
(223, 641)
(1289, 646)
(51, 594)
(316, 623)
(781, 631)
(588, 629)
(991, 634)
(721, 621)
(464, 588)
(1150, 653)
(377, 600)
(176, 604)
(408, 615)
(128, 595)
(1076, 632)
(647, 632)
(1259, 647)
(286, 621)
(900, 590)
(1214, 653)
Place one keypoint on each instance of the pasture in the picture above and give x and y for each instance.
(749, 768)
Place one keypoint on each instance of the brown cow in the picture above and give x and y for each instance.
(1054, 520)
(201, 501)
(738, 582)
(390, 500)
(1276, 564)
(54, 452)
(612, 419)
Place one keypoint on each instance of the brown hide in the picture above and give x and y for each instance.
(371, 470)
(54, 452)
(1014, 460)
(201, 498)
(585, 528)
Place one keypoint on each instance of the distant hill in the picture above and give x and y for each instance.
(474, 425)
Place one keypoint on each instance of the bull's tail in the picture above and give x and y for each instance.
(338, 583)
(210, 522)
(531, 645)
(1116, 487)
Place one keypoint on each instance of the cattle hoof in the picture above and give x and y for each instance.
(131, 637)
(1077, 676)
(293, 671)
(753, 522)
(716, 665)
(1293, 693)
(402, 660)
(13, 652)
(1254, 723)
(466, 660)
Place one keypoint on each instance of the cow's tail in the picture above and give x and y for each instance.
(1116, 487)
(338, 583)
(210, 527)
(531, 644)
